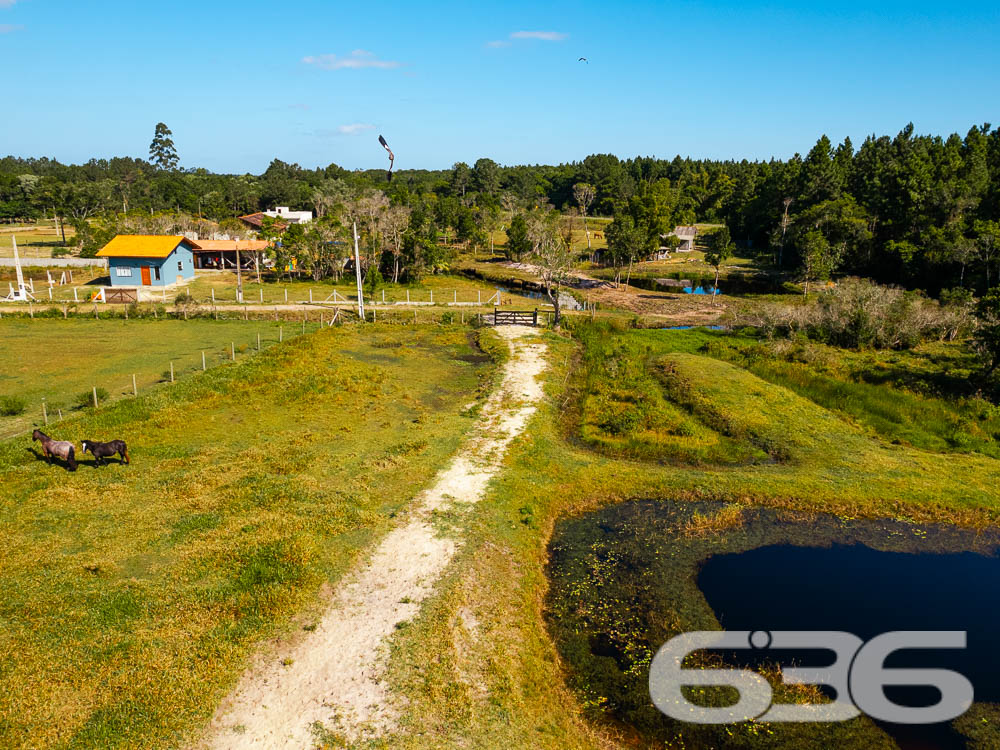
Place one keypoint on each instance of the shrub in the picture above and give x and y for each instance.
(86, 399)
(11, 406)
(860, 314)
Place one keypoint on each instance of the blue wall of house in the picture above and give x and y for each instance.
(179, 263)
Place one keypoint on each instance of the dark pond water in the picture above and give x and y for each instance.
(867, 592)
(627, 578)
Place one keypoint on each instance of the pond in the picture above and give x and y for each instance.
(867, 592)
(625, 579)
(703, 290)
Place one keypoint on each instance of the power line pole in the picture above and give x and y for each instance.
(357, 273)
(239, 276)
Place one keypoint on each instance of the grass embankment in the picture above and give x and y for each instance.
(924, 397)
(479, 668)
(134, 594)
(59, 360)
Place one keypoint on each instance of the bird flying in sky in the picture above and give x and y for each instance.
(391, 157)
(584, 59)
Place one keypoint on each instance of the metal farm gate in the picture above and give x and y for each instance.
(513, 317)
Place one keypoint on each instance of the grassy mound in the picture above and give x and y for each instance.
(922, 398)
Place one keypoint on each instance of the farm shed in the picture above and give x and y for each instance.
(221, 254)
(686, 235)
(139, 260)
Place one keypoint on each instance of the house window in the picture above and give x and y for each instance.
(180, 265)
(156, 273)
(123, 271)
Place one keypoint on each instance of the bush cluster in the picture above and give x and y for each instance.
(860, 314)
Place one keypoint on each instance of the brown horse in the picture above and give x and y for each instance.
(59, 448)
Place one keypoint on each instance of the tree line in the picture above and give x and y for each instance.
(921, 211)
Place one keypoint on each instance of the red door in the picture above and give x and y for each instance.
(145, 275)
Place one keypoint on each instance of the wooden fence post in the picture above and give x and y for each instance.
(286, 295)
(280, 334)
(171, 371)
(232, 349)
(310, 296)
(95, 396)
(65, 312)
(135, 389)
(45, 413)
(74, 295)
(213, 295)
(203, 367)
(31, 309)
(258, 340)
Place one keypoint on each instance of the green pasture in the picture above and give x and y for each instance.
(56, 360)
(133, 595)
(33, 240)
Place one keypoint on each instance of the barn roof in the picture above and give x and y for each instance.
(143, 246)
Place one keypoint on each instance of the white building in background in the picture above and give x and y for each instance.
(292, 217)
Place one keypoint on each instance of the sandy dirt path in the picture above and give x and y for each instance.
(332, 676)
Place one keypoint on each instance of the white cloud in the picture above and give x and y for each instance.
(7, 3)
(359, 58)
(498, 43)
(545, 36)
(356, 128)
(6, 28)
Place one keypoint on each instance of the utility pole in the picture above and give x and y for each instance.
(239, 276)
(357, 273)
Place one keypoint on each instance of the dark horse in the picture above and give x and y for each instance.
(59, 448)
(102, 451)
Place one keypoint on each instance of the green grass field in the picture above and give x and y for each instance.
(134, 594)
(479, 667)
(58, 359)
(33, 240)
(137, 593)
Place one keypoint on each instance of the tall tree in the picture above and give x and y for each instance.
(720, 249)
(161, 151)
(518, 242)
(584, 194)
(551, 254)
(486, 176)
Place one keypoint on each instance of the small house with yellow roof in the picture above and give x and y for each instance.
(144, 260)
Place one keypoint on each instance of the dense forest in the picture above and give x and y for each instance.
(915, 210)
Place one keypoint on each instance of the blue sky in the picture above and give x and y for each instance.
(240, 83)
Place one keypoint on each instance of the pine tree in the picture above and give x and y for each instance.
(161, 151)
